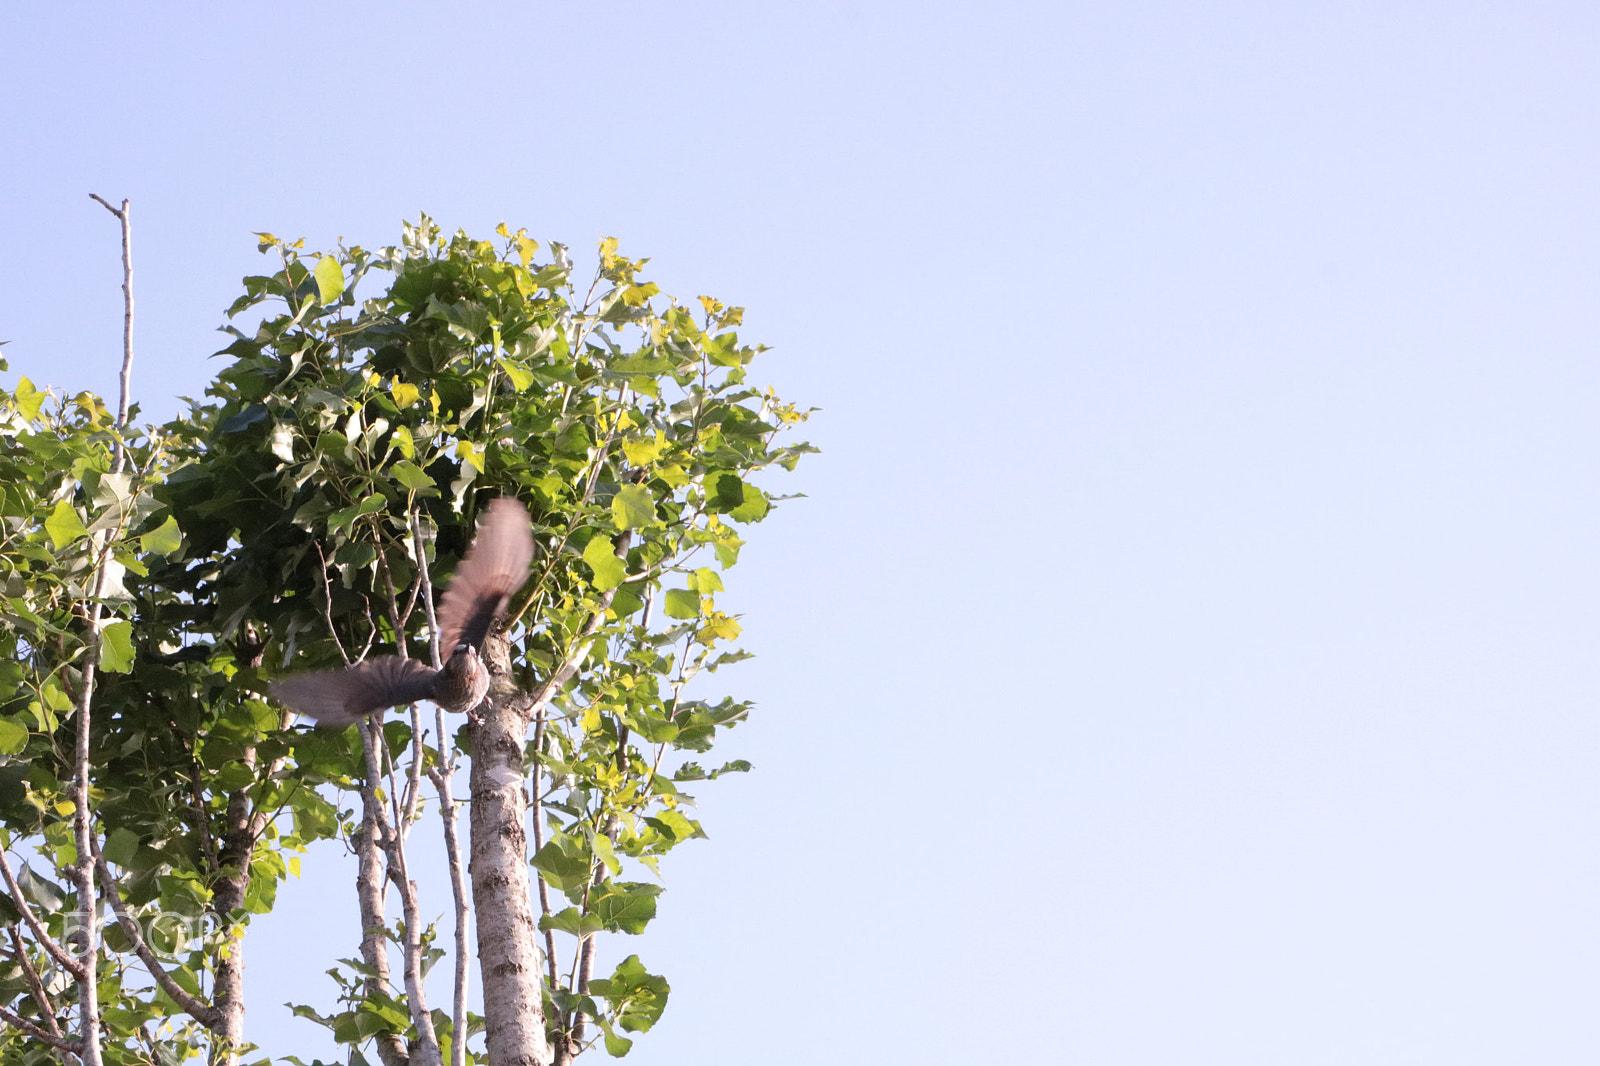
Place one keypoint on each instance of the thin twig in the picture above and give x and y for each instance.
(589, 943)
(55, 1041)
(30, 973)
(62, 957)
(441, 778)
(371, 841)
(327, 604)
(537, 805)
(82, 831)
(406, 812)
(404, 802)
(123, 216)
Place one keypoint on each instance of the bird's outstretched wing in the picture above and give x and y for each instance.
(339, 697)
(495, 566)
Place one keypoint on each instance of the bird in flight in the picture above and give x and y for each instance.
(494, 568)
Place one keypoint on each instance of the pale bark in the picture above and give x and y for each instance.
(508, 950)
(369, 843)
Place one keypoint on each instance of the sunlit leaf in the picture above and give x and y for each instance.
(64, 525)
(681, 603)
(634, 507)
(13, 736)
(330, 279)
(29, 399)
(116, 647)
(608, 569)
(164, 539)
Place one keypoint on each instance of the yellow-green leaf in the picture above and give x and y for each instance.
(705, 580)
(164, 539)
(330, 279)
(64, 525)
(13, 736)
(401, 441)
(634, 507)
(116, 647)
(643, 452)
(718, 627)
(602, 559)
(472, 452)
(405, 394)
(411, 476)
(29, 399)
(681, 603)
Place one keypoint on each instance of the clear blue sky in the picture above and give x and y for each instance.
(1186, 652)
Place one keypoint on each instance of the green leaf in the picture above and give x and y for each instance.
(233, 776)
(244, 419)
(740, 501)
(29, 399)
(282, 442)
(602, 559)
(753, 509)
(164, 539)
(676, 825)
(681, 603)
(626, 906)
(616, 1044)
(13, 736)
(705, 580)
(330, 279)
(64, 525)
(121, 845)
(341, 520)
(634, 507)
(116, 647)
(638, 997)
(572, 921)
(564, 871)
(521, 377)
(411, 476)
(43, 894)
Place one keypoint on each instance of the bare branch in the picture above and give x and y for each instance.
(370, 840)
(537, 803)
(426, 1052)
(88, 990)
(56, 1041)
(585, 969)
(447, 814)
(47, 1007)
(125, 217)
(327, 604)
(425, 583)
(62, 957)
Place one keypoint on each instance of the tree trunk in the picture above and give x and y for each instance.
(238, 846)
(508, 950)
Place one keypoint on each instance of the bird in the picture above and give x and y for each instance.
(495, 567)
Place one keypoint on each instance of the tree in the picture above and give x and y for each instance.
(156, 580)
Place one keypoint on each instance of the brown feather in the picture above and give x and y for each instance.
(339, 697)
(494, 568)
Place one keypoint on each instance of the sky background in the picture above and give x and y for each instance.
(1186, 649)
